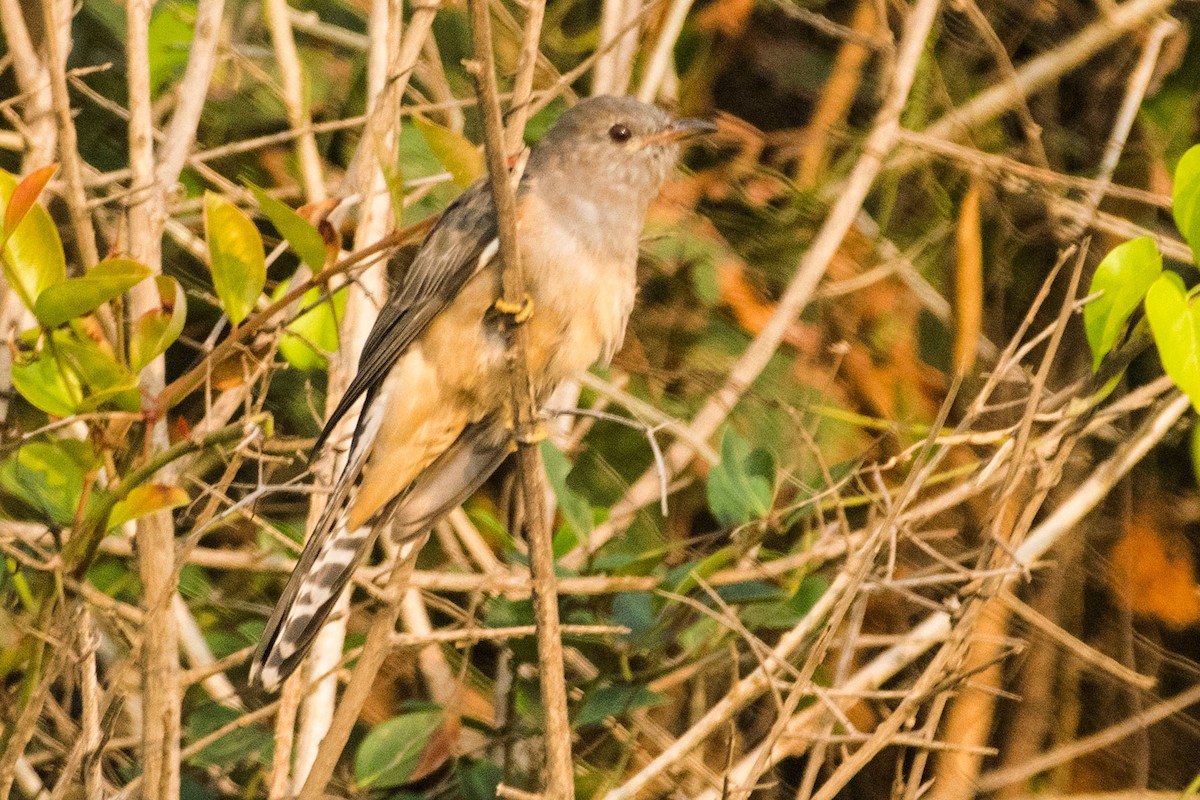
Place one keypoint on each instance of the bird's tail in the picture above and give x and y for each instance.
(334, 551)
(322, 573)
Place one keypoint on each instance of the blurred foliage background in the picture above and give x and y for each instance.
(962, 230)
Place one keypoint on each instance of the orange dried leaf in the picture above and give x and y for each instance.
(25, 195)
(1153, 575)
(968, 284)
(730, 17)
(837, 97)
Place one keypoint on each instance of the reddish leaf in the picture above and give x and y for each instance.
(25, 195)
(440, 747)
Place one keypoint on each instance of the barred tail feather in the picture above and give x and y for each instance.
(334, 550)
(320, 577)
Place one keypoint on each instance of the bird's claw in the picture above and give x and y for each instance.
(520, 312)
(536, 433)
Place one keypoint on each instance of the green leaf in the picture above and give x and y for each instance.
(785, 614)
(392, 750)
(106, 380)
(609, 701)
(312, 336)
(76, 297)
(1185, 199)
(235, 256)
(1123, 277)
(245, 743)
(157, 329)
(33, 254)
(171, 31)
(574, 506)
(145, 500)
(301, 235)
(1175, 325)
(1195, 448)
(478, 780)
(685, 577)
(47, 477)
(742, 487)
(47, 384)
(454, 151)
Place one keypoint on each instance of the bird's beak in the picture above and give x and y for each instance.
(684, 128)
(681, 129)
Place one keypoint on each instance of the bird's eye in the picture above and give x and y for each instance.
(619, 133)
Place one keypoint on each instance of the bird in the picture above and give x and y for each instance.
(436, 415)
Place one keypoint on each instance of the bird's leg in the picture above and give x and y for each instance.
(519, 312)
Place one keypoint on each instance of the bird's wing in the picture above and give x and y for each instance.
(462, 243)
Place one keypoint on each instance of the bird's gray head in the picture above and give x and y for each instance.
(612, 145)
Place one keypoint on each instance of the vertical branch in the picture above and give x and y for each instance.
(292, 75)
(1135, 92)
(294, 99)
(155, 533)
(518, 113)
(193, 90)
(58, 16)
(663, 57)
(618, 46)
(559, 782)
(90, 694)
(390, 62)
(147, 216)
(32, 78)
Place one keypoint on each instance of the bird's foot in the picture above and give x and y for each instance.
(536, 433)
(520, 312)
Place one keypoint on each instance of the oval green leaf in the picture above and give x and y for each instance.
(47, 478)
(143, 500)
(390, 754)
(33, 253)
(313, 335)
(1122, 279)
(609, 701)
(1175, 325)
(300, 234)
(76, 297)
(235, 256)
(455, 152)
(741, 487)
(1185, 199)
(156, 330)
(47, 385)
(107, 381)
(574, 506)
